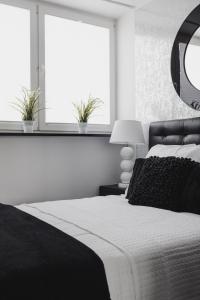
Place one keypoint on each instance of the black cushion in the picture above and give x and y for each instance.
(136, 171)
(191, 192)
(161, 183)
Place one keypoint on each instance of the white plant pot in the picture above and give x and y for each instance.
(28, 126)
(82, 127)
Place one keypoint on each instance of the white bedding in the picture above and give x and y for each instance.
(148, 253)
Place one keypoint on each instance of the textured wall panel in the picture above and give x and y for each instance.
(156, 27)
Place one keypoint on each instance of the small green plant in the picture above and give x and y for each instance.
(28, 106)
(85, 110)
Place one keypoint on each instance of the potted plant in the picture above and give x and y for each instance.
(28, 106)
(84, 112)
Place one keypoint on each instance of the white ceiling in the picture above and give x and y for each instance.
(109, 8)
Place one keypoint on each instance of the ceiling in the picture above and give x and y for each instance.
(163, 8)
(108, 8)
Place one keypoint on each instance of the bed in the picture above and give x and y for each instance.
(147, 253)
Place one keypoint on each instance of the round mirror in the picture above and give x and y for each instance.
(192, 60)
(185, 60)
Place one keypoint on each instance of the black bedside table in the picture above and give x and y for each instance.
(105, 190)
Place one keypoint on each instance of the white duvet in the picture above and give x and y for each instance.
(148, 253)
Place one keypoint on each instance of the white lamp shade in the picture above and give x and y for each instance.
(128, 132)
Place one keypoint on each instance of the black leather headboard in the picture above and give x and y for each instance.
(175, 132)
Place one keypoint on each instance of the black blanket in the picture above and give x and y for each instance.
(38, 261)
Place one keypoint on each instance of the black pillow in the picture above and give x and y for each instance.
(191, 193)
(161, 182)
(136, 171)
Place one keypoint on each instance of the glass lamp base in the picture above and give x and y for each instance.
(126, 165)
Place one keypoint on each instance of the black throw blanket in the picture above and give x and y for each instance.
(38, 261)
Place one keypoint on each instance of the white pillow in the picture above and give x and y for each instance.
(194, 154)
(171, 150)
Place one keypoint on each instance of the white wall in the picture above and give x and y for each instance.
(145, 40)
(156, 27)
(36, 169)
(125, 66)
(49, 168)
(126, 75)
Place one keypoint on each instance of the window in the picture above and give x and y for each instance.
(67, 54)
(14, 57)
(77, 54)
(76, 66)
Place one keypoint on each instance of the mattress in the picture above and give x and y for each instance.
(148, 253)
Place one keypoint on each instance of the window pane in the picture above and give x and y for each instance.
(77, 63)
(14, 57)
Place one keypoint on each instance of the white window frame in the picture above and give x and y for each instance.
(86, 18)
(16, 125)
(37, 60)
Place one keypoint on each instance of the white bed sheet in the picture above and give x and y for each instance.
(148, 253)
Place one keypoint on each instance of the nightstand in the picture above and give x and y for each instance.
(113, 189)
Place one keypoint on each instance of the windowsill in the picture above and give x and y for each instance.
(43, 133)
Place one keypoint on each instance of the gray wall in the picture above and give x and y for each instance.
(51, 168)
(156, 27)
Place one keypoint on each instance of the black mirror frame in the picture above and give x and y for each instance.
(184, 88)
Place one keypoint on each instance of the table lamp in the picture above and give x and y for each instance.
(129, 133)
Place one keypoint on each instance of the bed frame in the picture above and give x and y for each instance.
(175, 132)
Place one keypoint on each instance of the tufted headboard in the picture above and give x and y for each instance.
(175, 132)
